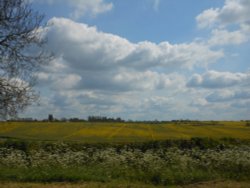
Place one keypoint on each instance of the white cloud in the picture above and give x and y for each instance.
(156, 4)
(68, 81)
(83, 52)
(214, 79)
(82, 7)
(228, 95)
(102, 73)
(233, 12)
(224, 37)
(147, 54)
(148, 80)
(87, 48)
(207, 18)
(230, 24)
(97, 73)
(93, 7)
(93, 72)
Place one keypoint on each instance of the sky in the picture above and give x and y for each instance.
(145, 59)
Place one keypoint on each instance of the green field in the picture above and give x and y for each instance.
(121, 132)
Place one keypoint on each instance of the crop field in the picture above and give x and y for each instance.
(89, 132)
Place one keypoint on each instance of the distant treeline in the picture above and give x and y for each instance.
(104, 119)
(52, 119)
(118, 119)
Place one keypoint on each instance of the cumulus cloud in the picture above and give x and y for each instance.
(87, 58)
(214, 79)
(233, 12)
(207, 18)
(83, 7)
(99, 73)
(148, 80)
(224, 37)
(87, 48)
(118, 81)
(93, 7)
(165, 55)
(228, 95)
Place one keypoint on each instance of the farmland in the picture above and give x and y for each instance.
(124, 154)
(89, 132)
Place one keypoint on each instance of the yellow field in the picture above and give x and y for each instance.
(121, 132)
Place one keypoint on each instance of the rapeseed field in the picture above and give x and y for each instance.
(122, 132)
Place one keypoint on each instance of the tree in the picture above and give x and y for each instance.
(50, 117)
(21, 54)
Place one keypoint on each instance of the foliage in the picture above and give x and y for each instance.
(152, 163)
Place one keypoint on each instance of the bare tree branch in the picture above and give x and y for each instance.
(21, 54)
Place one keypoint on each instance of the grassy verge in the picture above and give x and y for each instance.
(214, 184)
(161, 163)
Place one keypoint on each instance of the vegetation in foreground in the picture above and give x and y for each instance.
(209, 184)
(163, 163)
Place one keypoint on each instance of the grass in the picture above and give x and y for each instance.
(214, 184)
(76, 185)
(122, 132)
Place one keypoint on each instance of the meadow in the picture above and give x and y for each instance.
(172, 154)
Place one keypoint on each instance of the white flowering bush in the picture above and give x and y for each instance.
(156, 165)
(13, 158)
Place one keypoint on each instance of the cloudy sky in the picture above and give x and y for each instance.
(146, 59)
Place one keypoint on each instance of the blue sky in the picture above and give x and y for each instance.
(145, 59)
